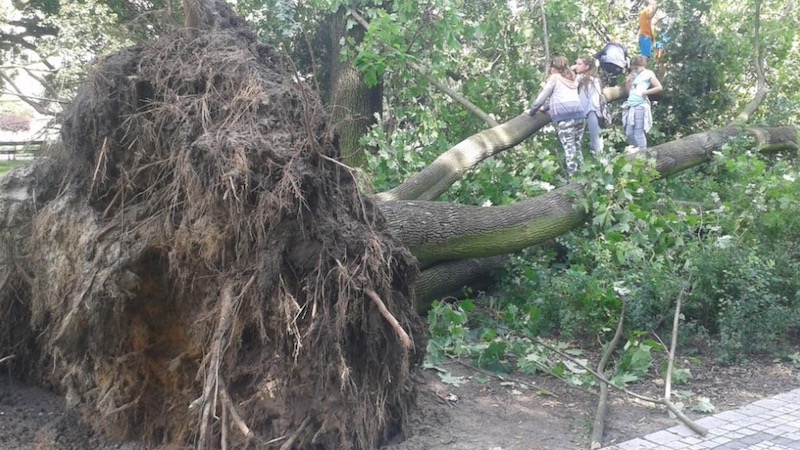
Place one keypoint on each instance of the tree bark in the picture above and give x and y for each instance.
(450, 277)
(353, 104)
(437, 231)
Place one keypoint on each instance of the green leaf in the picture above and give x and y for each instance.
(681, 376)
(448, 378)
(703, 405)
(624, 378)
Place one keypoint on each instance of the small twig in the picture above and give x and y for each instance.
(224, 429)
(32, 97)
(348, 168)
(494, 375)
(401, 333)
(7, 358)
(594, 373)
(277, 439)
(124, 407)
(111, 203)
(100, 158)
(614, 341)
(503, 378)
(444, 399)
(684, 418)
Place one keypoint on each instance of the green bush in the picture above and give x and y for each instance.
(741, 296)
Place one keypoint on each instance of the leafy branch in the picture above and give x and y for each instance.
(471, 107)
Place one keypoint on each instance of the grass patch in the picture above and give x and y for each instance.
(6, 166)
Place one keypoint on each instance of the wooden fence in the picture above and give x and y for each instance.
(13, 148)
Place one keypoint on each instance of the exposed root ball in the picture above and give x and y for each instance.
(208, 272)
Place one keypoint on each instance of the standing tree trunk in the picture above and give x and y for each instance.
(353, 104)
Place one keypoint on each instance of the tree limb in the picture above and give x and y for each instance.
(450, 277)
(598, 425)
(762, 89)
(471, 107)
(38, 79)
(7, 38)
(32, 29)
(545, 40)
(40, 108)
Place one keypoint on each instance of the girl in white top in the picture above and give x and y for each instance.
(590, 91)
(638, 118)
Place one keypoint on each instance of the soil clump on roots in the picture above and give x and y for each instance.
(195, 268)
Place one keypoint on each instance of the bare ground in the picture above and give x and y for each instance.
(483, 412)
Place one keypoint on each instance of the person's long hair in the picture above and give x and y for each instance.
(589, 76)
(561, 64)
(638, 63)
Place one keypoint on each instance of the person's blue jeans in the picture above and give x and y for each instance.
(595, 140)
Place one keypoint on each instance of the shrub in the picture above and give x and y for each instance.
(14, 123)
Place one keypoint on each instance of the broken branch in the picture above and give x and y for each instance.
(598, 425)
(661, 401)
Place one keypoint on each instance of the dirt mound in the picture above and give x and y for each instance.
(208, 273)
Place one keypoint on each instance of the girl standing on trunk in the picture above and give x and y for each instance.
(566, 112)
(590, 90)
(637, 118)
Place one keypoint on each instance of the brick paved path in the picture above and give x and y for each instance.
(769, 424)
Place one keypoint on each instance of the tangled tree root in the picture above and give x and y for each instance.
(203, 272)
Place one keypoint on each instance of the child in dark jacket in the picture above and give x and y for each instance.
(613, 61)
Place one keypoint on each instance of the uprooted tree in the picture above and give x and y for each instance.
(195, 266)
(196, 251)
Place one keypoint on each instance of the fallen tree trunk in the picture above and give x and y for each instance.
(439, 232)
(436, 231)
